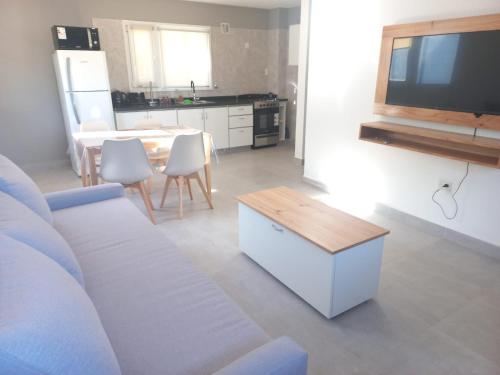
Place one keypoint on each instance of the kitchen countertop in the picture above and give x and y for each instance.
(215, 101)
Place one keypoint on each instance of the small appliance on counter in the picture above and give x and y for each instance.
(136, 98)
(75, 38)
(119, 99)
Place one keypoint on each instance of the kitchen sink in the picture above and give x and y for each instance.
(199, 102)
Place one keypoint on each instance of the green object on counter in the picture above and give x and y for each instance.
(188, 101)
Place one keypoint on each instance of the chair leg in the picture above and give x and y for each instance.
(180, 181)
(149, 184)
(207, 197)
(165, 189)
(147, 200)
(188, 183)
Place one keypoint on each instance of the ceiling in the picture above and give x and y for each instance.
(264, 4)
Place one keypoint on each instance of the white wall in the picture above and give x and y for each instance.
(305, 7)
(343, 61)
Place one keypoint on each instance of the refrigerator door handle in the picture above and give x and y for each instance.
(70, 86)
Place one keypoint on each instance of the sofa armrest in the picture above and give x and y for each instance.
(279, 357)
(79, 196)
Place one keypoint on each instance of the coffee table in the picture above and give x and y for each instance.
(329, 258)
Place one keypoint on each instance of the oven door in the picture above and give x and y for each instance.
(266, 121)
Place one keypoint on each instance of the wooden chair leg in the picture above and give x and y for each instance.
(149, 184)
(165, 189)
(207, 197)
(147, 200)
(180, 181)
(148, 195)
(188, 183)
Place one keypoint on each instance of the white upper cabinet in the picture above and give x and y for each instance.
(293, 44)
(216, 123)
(192, 118)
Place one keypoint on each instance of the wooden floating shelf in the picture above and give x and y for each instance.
(477, 150)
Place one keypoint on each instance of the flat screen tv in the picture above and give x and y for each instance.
(452, 72)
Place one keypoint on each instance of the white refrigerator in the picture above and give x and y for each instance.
(82, 78)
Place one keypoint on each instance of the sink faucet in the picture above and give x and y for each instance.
(193, 89)
(151, 99)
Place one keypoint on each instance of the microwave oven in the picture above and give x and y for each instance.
(80, 38)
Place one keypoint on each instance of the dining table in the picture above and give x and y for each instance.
(157, 143)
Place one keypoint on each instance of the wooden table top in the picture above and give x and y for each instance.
(331, 229)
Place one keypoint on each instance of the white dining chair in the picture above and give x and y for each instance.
(186, 158)
(126, 162)
(94, 126)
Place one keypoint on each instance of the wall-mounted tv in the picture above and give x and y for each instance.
(452, 72)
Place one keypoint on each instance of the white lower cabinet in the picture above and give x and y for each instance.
(244, 121)
(240, 137)
(240, 126)
(164, 117)
(229, 126)
(241, 110)
(216, 123)
(193, 118)
(128, 120)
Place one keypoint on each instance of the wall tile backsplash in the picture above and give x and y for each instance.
(240, 61)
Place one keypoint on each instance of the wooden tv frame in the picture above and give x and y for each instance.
(458, 25)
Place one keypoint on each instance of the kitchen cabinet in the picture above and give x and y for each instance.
(193, 118)
(229, 126)
(240, 137)
(165, 117)
(216, 123)
(129, 120)
(240, 126)
(241, 110)
(240, 121)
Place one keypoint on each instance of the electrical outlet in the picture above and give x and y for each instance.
(443, 182)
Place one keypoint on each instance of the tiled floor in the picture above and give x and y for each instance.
(438, 308)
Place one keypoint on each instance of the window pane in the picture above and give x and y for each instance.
(186, 58)
(142, 56)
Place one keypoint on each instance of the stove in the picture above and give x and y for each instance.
(266, 122)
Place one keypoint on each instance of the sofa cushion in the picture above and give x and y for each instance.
(16, 183)
(48, 324)
(19, 222)
(162, 315)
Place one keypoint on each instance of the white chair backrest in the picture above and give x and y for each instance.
(186, 156)
(94, 126)
(147, 124)
(124, 161)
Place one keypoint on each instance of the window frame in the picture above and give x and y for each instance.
(158, 72)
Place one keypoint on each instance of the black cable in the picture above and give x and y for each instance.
(455, 193)
(452, 196)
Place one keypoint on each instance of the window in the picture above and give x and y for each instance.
(437, 59)
(399, 61)
(168, 56)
